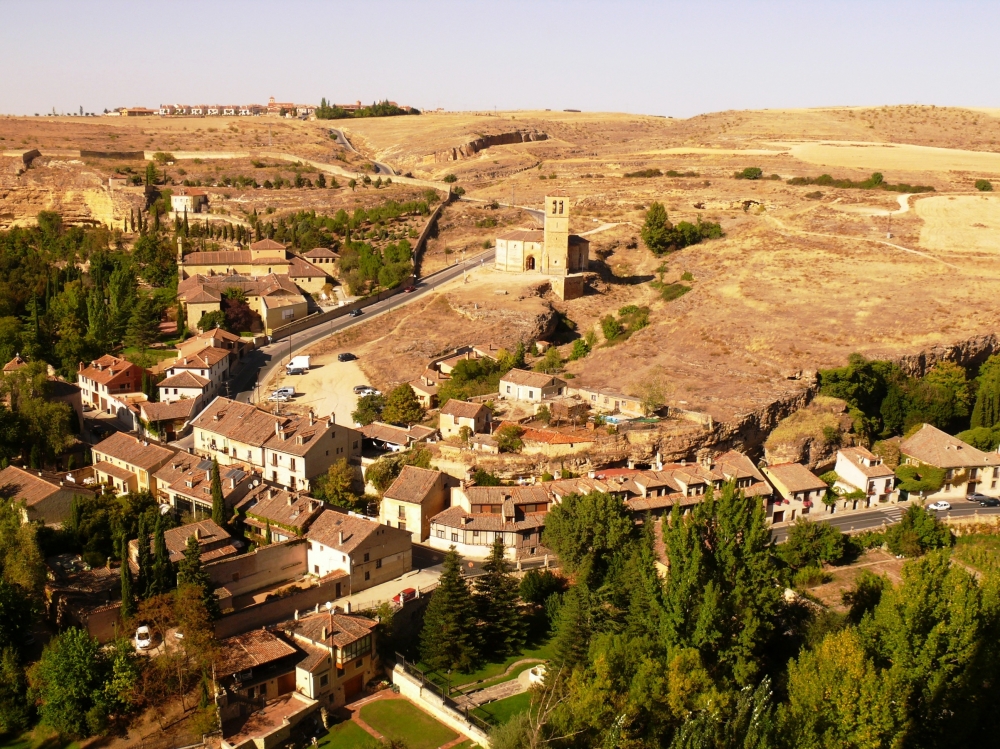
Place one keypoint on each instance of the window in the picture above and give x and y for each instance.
(366, 556)
(292, 463)
(356, 649)
(378, 564)
(531, 394)
(508, 388)
(402, 525)
(263, 690)
(454, 537)
(316, 569)
(324, 680)
(368, 575)
(402, 511)
(439, 533)
(475, 534)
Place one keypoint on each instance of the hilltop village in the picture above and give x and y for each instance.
(357, 447)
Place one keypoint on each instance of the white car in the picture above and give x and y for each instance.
(282, 395)
(143, 638)
(942, 505)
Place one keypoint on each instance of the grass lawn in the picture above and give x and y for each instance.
(542, 650)
(38, 738)
(154, 354)
(401, 719)
(346, 735)
(467, 744)
(501, 679)
(501, 711)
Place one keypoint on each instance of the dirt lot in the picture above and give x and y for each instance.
(327, 388)
(878, 562)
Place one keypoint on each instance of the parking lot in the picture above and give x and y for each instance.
(328, 387)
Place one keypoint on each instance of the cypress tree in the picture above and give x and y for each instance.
(267, 534)
(218, 504)
(163, 571)
(573, 627)
(128, 597)
(448, 639)
(496, 598)
(190, 572)
(186, 221)
(131, 215)
(143, 578)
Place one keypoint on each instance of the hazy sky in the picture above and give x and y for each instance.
(670, 58)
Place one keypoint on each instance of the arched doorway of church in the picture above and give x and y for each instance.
(529, 263)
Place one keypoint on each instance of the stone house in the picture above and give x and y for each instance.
(858, 469)
(533, 387)
(188, 200)
(253, 669)
(967, 470)
(605, 401)
(108, 377)
(369, 553)
(45, 501)
(799, 490)
(415, 496)
(166, 421)
(287, 514)
(128, 464)
(185, 483)
(201, 376)
(456, 414)
(214, 542)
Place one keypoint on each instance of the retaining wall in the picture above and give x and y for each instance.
(279, 610)
(267, 565)
(434, 704)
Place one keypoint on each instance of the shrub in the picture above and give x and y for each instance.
(508, 438)
(611, 328)
(450, 178)
(645, 173)
(814, 195)
(810, 577)
(686, 276)
(984, 185)
(918, 532)
(671, 291)
(751, 172)
(921, 478)
(810, 543)
(485, 478)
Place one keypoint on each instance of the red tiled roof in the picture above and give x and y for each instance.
(413, 484)
(463, 409)
(184, 380)
(523, 235)
(133, 451)
(251, 649)
(16, 483)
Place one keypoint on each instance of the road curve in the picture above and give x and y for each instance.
(380, 168)
(263, 361)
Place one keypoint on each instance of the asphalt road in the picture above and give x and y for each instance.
(380, 168)
(260, 363)
(889, 515)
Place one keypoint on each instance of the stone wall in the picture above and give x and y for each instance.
(432, 703)
(281, 609)
(267, 565)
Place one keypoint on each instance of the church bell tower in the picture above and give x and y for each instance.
(555, 259)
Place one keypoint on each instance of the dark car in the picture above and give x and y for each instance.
(101, 430)
(408, 289)
(976, 497)
(346, 357)
(356, 312)
(989, 502)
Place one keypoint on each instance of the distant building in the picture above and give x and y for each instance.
(858, 469)
(800, 492)
(533, 387)
(185, 483)
(967, 470)
(188, 200)
(369, 553)
(214, 542)
(44, 500)
(107, 377)
(128, 464)
(456, 414)
(414, 498)
(287, 514)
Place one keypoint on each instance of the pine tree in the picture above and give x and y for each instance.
(448, 640)
(145, 563)
(496, 598)
(190, 572)
(163, 571)
(573, 627)
(218, 503)
(128, 597)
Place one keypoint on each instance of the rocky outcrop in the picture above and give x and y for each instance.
(486, 141)
(969, 354)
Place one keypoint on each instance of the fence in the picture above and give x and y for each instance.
(443, 694)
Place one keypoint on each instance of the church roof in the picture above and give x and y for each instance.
(524, 235)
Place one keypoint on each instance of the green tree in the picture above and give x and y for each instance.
(335, 486)
(16, 710)
(984, 185)
(986, 411)
(810, 543)
(536, 586)
(352, 183)
(508, 438)
(212, 320)
(68, 682)
(574, 627)
(191, 573)
(162, 578)
(449, 639)
(837, 697)
(551, 363)
(144, 560)
(657, 231)
(369, 409)
(751, 172)
(218, 501)
(402, 406)
(587, 529)
(128, 597)
(917, 532)
(496, 599)
(865, 595)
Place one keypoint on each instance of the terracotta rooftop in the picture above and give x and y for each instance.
(109, 368)
(267, 244)
(250, 650)
(280, 507)
(128, 449)
(341, 629)
(795, 477)
(191, 476)
(321, 252)
(932, 446)
(248, 424)
(463, 409)
(328, 527)
(16, 483)
(395, 435)
(413, 484)
(14, 364)
(304, 269)
(185, 379)
(232, 257)
(204, 359)
(457, 517)
(553, 437)
(870, 465)
(179, 409)
(112, 470)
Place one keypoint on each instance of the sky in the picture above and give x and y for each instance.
(666, 58)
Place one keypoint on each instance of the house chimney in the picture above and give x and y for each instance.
(347, 607)
(331, 420)
(341, 538)
(197, 533)
(312, 418)
(277, 428)
(270, 493)
(208, 475)
(291, 500)
(232, 482)
(324, 634)
(79, 367)
(296, 614)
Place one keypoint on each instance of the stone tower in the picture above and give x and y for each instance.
(555, 257)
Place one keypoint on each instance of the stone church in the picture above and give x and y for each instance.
(551, 251)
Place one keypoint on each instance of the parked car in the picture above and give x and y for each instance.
(359, 389)
(940, 505)
(409, 289)
(976, 497)
(101, 430)
(346, 357)
(371, 391)
(143, 638)
(406, 594)
(356, 313)
(282, 395)
(179, 633)
(989, 502)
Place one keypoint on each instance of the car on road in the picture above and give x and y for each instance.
(282, 395)
(143, 638)
(976, 497)
(346, 357)
(940, 505)
(409, 289)
(406, 594)
(989, 502)
(101, 430)
(356, 313)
